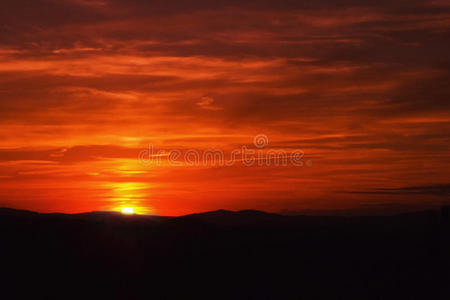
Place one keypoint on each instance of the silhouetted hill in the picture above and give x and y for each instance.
(239, 218)
(224, 254)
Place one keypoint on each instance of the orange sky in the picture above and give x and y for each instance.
(362, 88)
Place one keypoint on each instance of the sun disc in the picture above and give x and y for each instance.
(127, 210)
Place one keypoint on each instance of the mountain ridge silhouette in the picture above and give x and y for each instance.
(224, 254)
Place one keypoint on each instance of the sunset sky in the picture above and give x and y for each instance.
(361, 87)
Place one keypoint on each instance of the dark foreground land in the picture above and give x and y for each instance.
(231, 255)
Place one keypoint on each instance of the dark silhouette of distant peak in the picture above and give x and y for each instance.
(12, 211)
(224, 212)
(255, 212)
(213, 212)
(242, 218)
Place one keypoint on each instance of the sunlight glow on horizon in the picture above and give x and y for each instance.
(127, 211)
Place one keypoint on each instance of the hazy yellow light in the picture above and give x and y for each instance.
(127, 210)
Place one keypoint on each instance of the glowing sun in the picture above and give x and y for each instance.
(127, 210)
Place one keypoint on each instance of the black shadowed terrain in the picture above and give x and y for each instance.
(223, 254)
